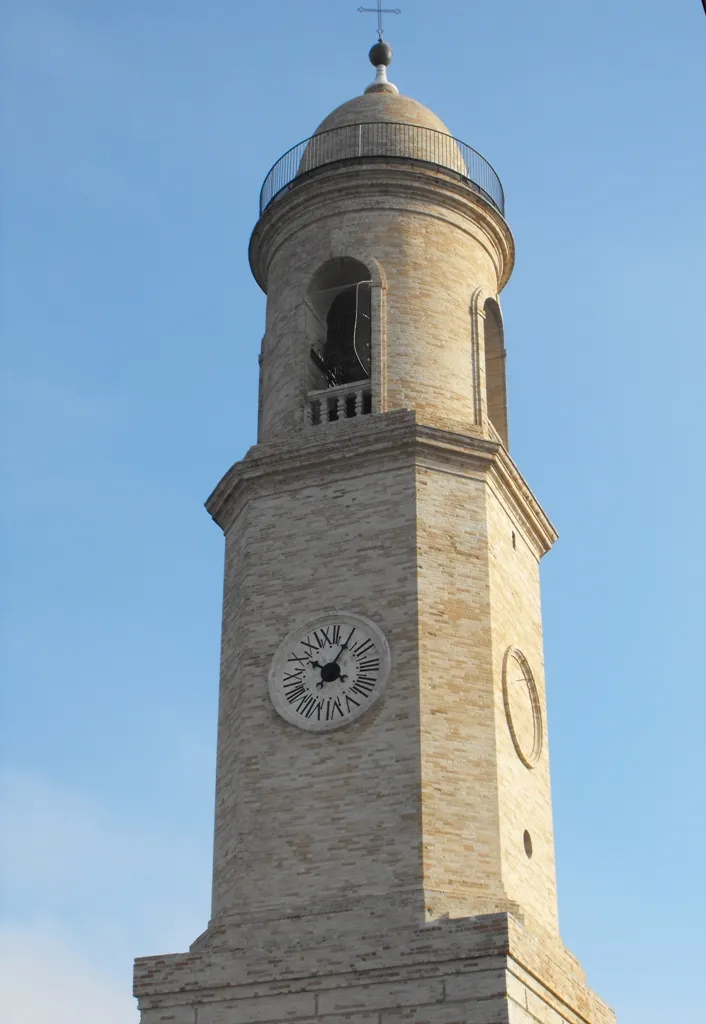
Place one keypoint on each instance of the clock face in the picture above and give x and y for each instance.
(329, 671)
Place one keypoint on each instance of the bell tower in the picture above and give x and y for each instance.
(383, 844)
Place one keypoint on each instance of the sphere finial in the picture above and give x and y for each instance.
(380, 57)
(380, 53)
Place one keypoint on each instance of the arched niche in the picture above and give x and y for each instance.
(496, 390)
(340, 334)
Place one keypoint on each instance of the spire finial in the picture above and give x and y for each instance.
(380, 10)
(381, 53)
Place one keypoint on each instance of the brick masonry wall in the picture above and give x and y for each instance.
(418, 798)
(462, 857)
(485, 971)
(304, 818)
(524, 793)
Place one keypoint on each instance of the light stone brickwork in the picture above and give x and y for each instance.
(399, 870)
(483, 970)
(525, 795)
(420, 779)
(300, 816)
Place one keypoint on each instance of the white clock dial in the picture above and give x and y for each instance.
(329, 671)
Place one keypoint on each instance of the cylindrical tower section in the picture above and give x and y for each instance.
(385, 220)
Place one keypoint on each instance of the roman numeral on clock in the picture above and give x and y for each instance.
(363, 686)
(295, 692)
(331, 635)
(331, 707)
(297, 674)
(372, 665)
(307, 706)
(363, 648)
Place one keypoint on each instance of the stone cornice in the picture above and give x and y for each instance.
(504, 474)
(378, 184)
(355, 443)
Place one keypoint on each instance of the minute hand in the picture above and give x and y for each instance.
(344, 647)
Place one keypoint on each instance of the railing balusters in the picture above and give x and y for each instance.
(346, 401)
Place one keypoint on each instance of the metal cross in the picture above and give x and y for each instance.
(380, 10)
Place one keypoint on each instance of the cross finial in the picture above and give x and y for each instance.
(380, 10)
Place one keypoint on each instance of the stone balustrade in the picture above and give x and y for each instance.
(339, 403)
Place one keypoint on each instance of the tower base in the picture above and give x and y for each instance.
(488, 969)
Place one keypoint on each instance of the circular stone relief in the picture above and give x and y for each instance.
(522, 708)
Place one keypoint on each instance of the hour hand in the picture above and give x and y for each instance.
(315, 664)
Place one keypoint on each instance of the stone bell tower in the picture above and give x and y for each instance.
(383, 836)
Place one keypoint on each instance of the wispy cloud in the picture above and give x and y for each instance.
(94, 888)
(47, 979)
(54, 841)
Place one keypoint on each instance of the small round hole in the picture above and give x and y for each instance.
(527, 840)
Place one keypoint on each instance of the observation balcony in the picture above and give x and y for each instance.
(389, 141)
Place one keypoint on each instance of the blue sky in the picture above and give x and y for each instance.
(136, 137)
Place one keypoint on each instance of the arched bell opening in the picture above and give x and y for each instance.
(345, 357)
(496, 389)
(340, 352)
(340, 296)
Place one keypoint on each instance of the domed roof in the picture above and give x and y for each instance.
(380, 124)
(382, 106)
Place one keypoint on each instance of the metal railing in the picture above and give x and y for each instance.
(389, 140)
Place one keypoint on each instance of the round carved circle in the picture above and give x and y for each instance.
(522, 708)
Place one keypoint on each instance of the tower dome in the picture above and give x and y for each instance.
(383, 124)
(382, 107)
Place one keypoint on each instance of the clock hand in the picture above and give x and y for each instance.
(331, 670)
(344, 647)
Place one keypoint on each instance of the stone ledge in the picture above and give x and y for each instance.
(377, 184)
(354, 443)
(488, 960)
